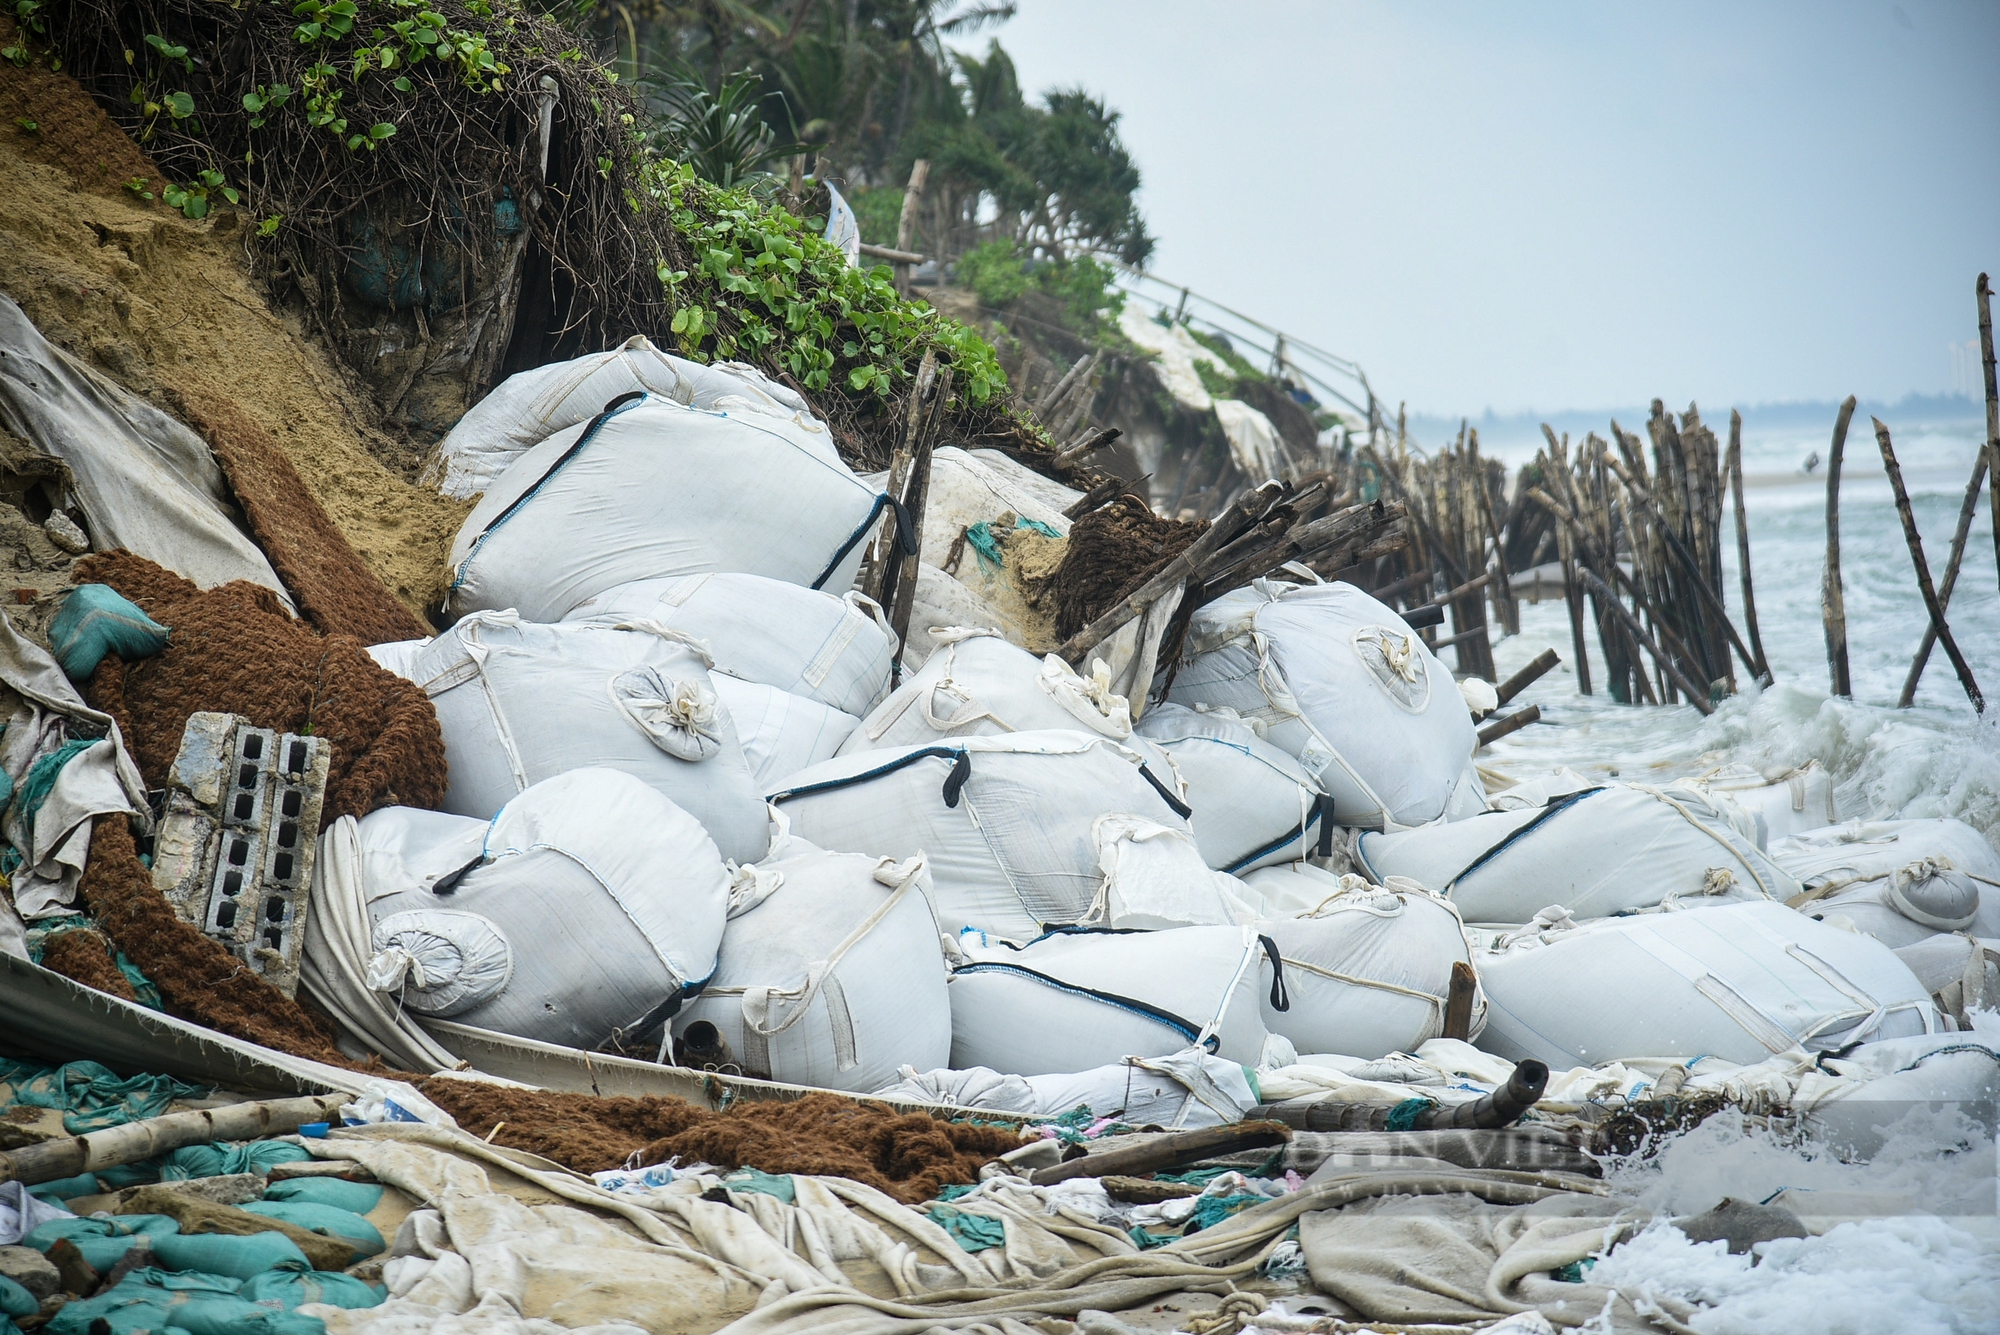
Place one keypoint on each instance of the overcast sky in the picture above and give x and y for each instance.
(1565, 205)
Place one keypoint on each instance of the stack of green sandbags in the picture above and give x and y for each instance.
(155, 1300)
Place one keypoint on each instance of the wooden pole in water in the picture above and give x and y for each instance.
(1958, 541)
(1696, 696)
(1762, 670)
(1931, 603)
(1833, 609)
(1984, 294)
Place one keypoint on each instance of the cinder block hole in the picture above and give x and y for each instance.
(239, 852)
(274, 938)
(274, 909)
(246, 776)
(288, 834)
(225, 913)
(253, 747)
(281, 867)
(232, 882)
(293, 803)
(245, 802)
(298, 763)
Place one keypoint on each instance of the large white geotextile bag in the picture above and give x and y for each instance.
(1595, 852)
(1075, 1000)
(1781, 803)
(836, 649)
(1340, 682)
(977, 684)
(780, 733)
(1021, 831)
(1888, 877)
(655, 490)
(1254, 806)
(586, 909)
(526, 409)
(1739, 982)
(1367, 970)
(520, 702)
(831, 972)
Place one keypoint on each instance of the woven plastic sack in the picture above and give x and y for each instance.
(291, 1288)
(222, 1254)
(1255, 806)
(1897, 880)
(654, 490)
(96, 620)
(224, 1157)
(327, 1220)
(360, 1197)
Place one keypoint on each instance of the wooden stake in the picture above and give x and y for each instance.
(1458, 1001)
(1513, 723)
(1762, 671)
(1527, 676)
(1832, 607)
(1931, 603)
(1157, 1153)
(916, 493)
(1696, 697)
(1958, 540)
(906, 223)
(1983, 294)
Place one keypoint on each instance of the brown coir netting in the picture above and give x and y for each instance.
(908, 1155)
(234, 651)
(334, 590)
(85, 957)
(198, 979)
(1112, 551)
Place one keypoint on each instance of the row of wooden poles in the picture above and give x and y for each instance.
(1640, 544)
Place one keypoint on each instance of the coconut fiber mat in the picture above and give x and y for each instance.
(235, 650)
(910, 1156)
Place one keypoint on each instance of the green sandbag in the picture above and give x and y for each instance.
(360, 1197)
(148, 1299)
(223, 1158)
(242, 1257)
(17, 1301)
(92, 1096)
(66, 1188)
(235, 1316)
(328, 1220)
(101, 1254)
(96, 620)
(92, 1226)
(291, 1289)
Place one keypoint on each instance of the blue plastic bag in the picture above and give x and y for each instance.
(96, 620)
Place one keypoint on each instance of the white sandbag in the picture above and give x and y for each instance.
(1367, 971)
(1185, 1090)
(526, 409)
(1074, 999)
(521, 702)
(1739, 982)
(1254, 806)
(836, 649)
(398, 655)
(969, 488)
(1782, 802)
(780, 733)
(589, 907)
(976, 684)
(1595, 852)
(1339, 681)
(655, 490)
(831, 972)
(143, 481)
(1021, 831)
(1887, 1081)
(941, 603)
(1900, 879)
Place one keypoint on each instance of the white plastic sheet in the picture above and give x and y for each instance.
(145, 482)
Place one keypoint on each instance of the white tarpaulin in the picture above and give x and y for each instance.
(145, 482)
(1253, 441)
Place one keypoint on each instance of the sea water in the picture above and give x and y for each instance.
(1934, 1268)
(1936, 759)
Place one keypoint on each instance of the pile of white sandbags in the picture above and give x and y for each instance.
(1900, 881)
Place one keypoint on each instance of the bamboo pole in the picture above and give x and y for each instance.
(1762, 670)
(916, 494)
(1983, 294)
(1513, 723)
(1924, 586)
(1697, 698)
(1832, 607)
(1959, 537)
(1527, 676)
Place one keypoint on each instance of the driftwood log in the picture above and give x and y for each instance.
(52, 1159)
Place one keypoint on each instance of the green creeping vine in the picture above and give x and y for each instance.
(765, 284)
